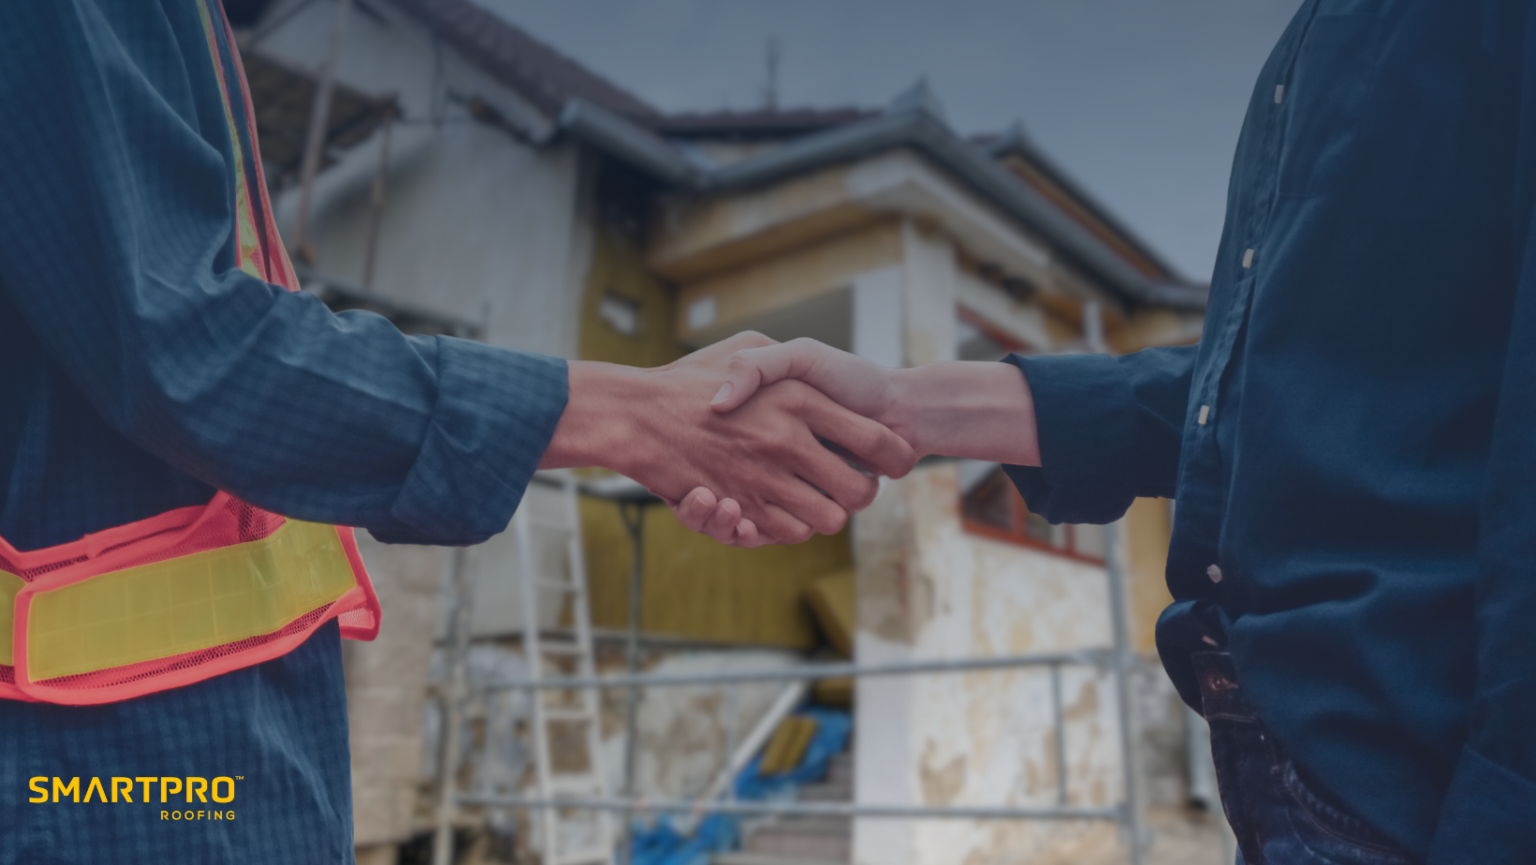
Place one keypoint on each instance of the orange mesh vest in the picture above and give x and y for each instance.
(193, 592)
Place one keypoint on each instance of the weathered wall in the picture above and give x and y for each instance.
(927, 590)
(618, 266)
(386, 686)
(697, 588)
(477, 224)
(976, 738)
(684, 732)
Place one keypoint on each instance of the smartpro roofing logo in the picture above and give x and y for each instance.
(198, 791)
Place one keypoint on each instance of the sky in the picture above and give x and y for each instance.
(1140, 101)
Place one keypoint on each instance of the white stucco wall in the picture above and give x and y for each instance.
(930, 590)
(984, 738)
(478, 225)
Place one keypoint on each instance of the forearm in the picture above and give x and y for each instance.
(605, 420)
(968, 409)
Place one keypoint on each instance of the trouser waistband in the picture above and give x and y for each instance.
(1220, 694)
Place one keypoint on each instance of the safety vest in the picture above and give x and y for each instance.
(194, 592)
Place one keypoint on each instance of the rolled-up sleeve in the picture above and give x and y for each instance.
(1109, 431)
(118, 209)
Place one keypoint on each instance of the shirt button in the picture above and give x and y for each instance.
(1248, 259)
(1279, 93)
(1214, 573)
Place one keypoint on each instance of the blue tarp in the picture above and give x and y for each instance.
(661, 844)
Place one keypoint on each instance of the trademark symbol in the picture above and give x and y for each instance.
(239, 777)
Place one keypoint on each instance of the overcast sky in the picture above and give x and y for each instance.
(1139, 100)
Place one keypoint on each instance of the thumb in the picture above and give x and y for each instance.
(743, 378)
(755, 368)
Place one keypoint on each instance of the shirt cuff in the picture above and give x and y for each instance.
(1488, 815)
(1085, 421)
(496, 412)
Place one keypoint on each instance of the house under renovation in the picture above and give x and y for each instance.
(435, 164)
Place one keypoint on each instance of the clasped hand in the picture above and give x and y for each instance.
(970, 409)
(738, 437)
(756, 472)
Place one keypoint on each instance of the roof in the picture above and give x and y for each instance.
(536, 71)
(913, 123)
(591, 108)
(760, 123)
(1042, 172)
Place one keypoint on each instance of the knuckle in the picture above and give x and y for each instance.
(868, 441)
(797, 395)
(834, 522)
(866, 494)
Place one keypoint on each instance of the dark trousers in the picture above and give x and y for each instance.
(1278, 818)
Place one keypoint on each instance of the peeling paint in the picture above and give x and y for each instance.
(1085, 706)
(981, 738)
(941, 784)
(882, 554)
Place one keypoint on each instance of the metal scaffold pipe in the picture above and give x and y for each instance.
(319, 123)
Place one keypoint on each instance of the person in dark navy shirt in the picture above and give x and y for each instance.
(1352, 443)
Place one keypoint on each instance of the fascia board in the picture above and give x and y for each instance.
(915, 129)
(628, 142)
(1019, 144)
(900, 182)
(923, 131)
(520, 113)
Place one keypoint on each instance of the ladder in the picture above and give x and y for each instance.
(550, 708)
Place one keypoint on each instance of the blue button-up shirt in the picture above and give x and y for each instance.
(141, 370)
(1352, 443)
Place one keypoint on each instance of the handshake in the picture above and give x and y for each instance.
(755, 442)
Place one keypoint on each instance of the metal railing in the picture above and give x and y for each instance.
(1118, 660)
(1103, 661)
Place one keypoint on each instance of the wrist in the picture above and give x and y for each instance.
(964, 409)
(903, 411)
(605, 420)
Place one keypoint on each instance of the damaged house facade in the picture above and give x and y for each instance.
(473, 181)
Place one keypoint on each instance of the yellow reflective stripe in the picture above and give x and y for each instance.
(185, 604)
(10, 584)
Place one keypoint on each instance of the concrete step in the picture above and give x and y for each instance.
(768, 859)
(825, 838)
(841, 770)
(830, 792)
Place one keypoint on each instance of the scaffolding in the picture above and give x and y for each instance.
(1117, 660)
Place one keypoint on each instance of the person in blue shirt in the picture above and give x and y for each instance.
(1352, 443)
(144, 367)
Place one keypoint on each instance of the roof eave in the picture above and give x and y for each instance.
(918, 129)
(1016, 142)
(929, 134)
(627, 141)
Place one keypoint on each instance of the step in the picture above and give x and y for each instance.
(841, 791)
(827, 838)
(741, 858)
(841, 770)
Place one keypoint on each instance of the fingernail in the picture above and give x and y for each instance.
(721, 395)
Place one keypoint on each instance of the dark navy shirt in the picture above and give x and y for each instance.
(1352, 444)
(141, 370)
